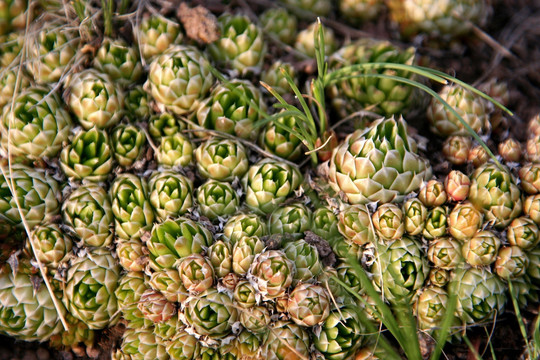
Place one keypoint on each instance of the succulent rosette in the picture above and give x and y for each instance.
(37, 196)
(128, 143)
(325, 223)
(529, 174)
(217, 199)
(169, 283)
(355, 224)
(278, 139)
(388, 222)
(436, 224)
(305, 40)
(245, 294)
(308, 304)
(341, 334)
(244, 252)
(293, 219)
(305, 258)
(174, 151)
(285, 340)
(36, 125)
(13, 16)
(457, 185)
(27, 312)
(137, 104)
(439, 277)
(130, 288)
(131, 254)
(221, 159)
(512, 262)
(381, 95)
(457, 149)
(211, 314)
(400, 270)
(142, 344)
(268, 183)
(164, 124)
(255, 319)
(275, 77)
(272, 273)
(196, 273)
(220, 256)
(480, 294)
(241, 46)
(170, 193)
(52, 52)
(179, 79)
(118, 60)
(358, 11)
(531, 208)
(523, 232)
(464, 221)
(232, 108)
(155, 307)
(175, 239)
(482, 249)
(378, 164)
(132, 210)
(90, 289)
(94, 99)
(183, 346)
(494, 192)
(432, 194)
(9, 85)
(88, 157)
(468, 105)
(156, 34)
(51, 245)
(414, 216)
(280, 23)
(510, 150)
(242, 225)
(445, 253)
(430, 307)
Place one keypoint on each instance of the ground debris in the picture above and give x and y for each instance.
(200, 24)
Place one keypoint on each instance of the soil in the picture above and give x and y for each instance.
(508, 48)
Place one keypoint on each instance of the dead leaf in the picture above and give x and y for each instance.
(200, 24)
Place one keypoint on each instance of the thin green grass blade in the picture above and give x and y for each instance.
(302, 101)
(444, 331)
(471, 348)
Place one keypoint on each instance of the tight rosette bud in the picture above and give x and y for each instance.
(388, 221)
(132, 210)
(241, 46)
(88, 212)
(355, 224)
(232, 108)
(163, 125)
(468, 105)
(510, 150)
(179, 79)
(464, 221)
(341, 334)
(221, 159)
(378, 164)
(533, 271)
(305, 258)
(90, 289)
(52, 247)
(400, 270)
(36, 125)
(512, 262)
(285, 340)
(325, 224)
(436, 223)
(308, 304)
(255, 319)
(272, 273)
(480, 294)
(52, 53)
(38, 196)
(142, 343)
(183, 346)
(88, 157)
(523, 232)
(128, 143)
(196, 273)
(220, 256)
(242, 225)
(170, 194)
(529, 174)
(94, 99)
(245, 294)
(168, 283)
(457, 148)
(268, 183)
(130, 288)
(493, 191)
(130, 254)
(457, 185)
(305, 40)
(155, 307)
(346, 274)
(439, 277)
(11, 81)
(278, 139)
(211, 313)
(478, 156)
(531, 208)
(217, 199)
(156, 34)
(174, 239)
(293, 219)
(430, 307)
(445, 253)
(532, 149)
(381, 95)
(414, 216)
(137, 104)
(275, 77)
(432, 194)
(174, 151)
(119, 60)
(482, 249)
(244, 252)
(280, 23)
